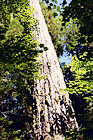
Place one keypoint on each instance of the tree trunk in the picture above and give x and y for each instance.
(52, 118)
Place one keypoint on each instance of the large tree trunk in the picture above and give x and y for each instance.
(53, 105)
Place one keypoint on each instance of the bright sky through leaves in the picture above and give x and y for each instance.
(64, 58)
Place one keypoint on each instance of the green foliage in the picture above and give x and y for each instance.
(83, 75)
(82, 10)
(80, 85)
(19, 68)
(72, 40)
(70, 37)
(74, 134)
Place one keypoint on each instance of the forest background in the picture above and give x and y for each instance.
(19, 62)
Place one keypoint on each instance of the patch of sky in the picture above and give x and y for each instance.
(65, 58)
(60, 1)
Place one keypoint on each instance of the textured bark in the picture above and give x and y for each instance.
(52, 117)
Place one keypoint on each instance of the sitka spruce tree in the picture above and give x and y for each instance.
(19, 67)
(78, 41)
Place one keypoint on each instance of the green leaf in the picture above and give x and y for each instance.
(58, 8)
